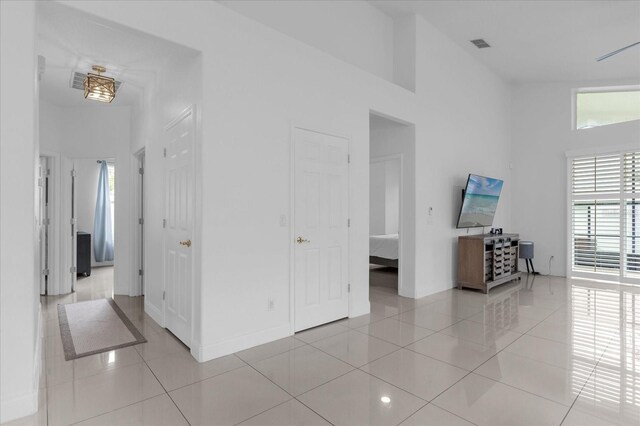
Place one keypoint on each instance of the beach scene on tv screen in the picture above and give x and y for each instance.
(480, 201)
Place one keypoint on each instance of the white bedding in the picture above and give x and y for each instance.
(385, 246)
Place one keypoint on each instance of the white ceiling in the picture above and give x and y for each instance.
(539, 40)
(71, 40)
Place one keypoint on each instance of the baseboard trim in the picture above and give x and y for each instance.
(226, 347)
(37, 362)
(19, 406)
(154, 313)
(24, 405)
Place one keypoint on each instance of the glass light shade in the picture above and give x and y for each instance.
(99, 88)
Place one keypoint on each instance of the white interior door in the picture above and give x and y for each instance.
(42, 223)
(74, 229)
(179, 226)
(321, 206)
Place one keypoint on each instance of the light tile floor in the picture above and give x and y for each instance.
(544, 350)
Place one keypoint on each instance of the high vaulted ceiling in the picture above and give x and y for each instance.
(539, 40)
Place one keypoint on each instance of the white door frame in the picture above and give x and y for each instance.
(137, 283)
(55, 244)
(66, 250)
(400, 158)
(292, 214)
(195, 232)
(67, 246)
(44, 220)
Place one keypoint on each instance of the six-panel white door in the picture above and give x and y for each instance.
(321, 237)
(179, 226)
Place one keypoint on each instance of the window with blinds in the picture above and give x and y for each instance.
(605, 216)
(631, 200)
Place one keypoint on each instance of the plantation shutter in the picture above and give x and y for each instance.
(596, 175)
(605, 216)
(595, 188)
(631, 188)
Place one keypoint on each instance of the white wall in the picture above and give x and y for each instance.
(384, 188)
(257, 83)
(353, 31)
(392, 196)
(466, 128)
(377, 207)
(404, 51)
(542, 134)
(91, 133)
(19, 284)
(50, 126)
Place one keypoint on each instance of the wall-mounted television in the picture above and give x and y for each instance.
(479, 202)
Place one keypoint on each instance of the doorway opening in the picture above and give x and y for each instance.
(391, 182)
(106, 237)
(93, 208)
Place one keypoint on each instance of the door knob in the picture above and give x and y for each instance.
(186, 243)
(301, 240)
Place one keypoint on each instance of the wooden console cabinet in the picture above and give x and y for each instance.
(486, 260)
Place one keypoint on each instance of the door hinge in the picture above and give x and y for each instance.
(47, 221)
(164, 223)
(39, 181)
(141, 170)
(348, 158)
(73, 269)
(164, 294)
(45, 272)
(349, 288)
(140, 221)
(348, 223)
(164, 152)
(72, 221)
(140, 272)
(73, 173)
(48, 172)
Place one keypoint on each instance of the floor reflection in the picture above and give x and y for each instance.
(607, 317)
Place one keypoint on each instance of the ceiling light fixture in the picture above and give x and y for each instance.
(98, 87)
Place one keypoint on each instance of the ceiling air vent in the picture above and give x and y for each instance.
(480, 43)
(78, 78)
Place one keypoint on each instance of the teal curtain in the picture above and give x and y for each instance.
(102, 232)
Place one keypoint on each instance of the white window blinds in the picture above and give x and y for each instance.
(605, 216)
(631, 199)
(596, 174)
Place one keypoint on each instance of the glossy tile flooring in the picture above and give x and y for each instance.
(539, 351)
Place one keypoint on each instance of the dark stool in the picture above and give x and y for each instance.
(526, 253)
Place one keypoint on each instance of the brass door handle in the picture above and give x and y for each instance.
(186, 243)
(301, 240)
